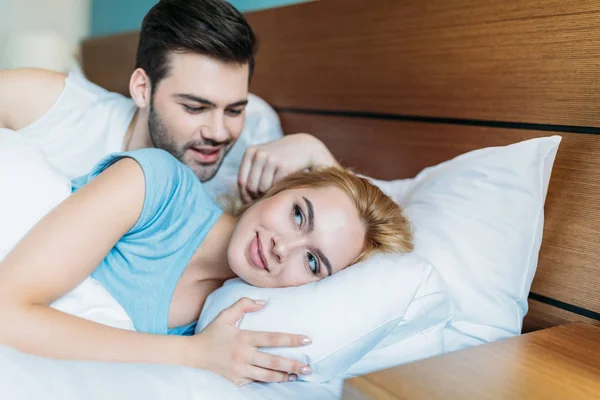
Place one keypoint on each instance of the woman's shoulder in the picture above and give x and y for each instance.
(161, 166)
(153, 155)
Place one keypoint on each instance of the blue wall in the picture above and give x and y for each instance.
(112, 16)
(251, 5)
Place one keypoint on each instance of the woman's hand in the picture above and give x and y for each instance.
(233, 353)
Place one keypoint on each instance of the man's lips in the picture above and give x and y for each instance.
(206, 155)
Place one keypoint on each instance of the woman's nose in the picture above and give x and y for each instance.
(277, 249)
(282, 246)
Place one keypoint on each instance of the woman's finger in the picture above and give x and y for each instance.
(277, 339)
(277, 363)
(232, 314)
(267, 375)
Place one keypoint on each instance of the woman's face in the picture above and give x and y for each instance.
(295, 237)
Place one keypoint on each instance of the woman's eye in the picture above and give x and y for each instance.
(298, 216)
(313, 264)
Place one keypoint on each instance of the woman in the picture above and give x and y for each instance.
(141, 225)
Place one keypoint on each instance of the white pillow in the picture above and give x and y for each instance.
(31, 187)
(347, 314)
(478, 222)
(490, 304)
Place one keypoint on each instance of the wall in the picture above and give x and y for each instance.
(251, 5)
(41, 33)
(45, 33)
(112, 16)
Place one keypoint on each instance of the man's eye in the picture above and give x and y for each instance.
(234, 113)
(193, 110)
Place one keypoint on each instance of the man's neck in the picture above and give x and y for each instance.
(137, 136)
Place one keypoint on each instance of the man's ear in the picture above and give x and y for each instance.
(140, 88)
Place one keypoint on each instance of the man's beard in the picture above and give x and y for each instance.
(159, 136)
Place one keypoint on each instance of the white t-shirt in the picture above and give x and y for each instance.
(88, 122)
(85, 124)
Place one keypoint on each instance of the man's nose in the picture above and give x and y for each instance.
(215, 130)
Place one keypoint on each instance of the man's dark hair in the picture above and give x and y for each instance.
(210, 27)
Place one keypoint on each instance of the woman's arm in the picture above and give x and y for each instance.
(60, 252)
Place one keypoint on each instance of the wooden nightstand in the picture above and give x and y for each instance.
(556, 363)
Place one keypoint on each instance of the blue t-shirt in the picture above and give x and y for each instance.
(142, 269)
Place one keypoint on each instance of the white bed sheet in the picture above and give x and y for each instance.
(27, 377)
(296, 390)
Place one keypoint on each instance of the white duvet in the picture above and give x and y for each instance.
(27, 377)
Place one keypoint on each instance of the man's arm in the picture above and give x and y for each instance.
(27, 94)
(264, 165)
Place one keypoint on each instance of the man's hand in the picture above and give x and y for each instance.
(266, 164)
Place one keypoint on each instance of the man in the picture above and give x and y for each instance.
(189, 94)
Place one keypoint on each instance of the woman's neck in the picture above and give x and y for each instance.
(210, 260)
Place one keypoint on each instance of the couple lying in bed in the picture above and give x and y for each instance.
(141, 224)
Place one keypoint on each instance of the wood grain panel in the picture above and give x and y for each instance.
(569, 266)
(541, 316)
(516, 60)
(109, 61)
(361, 388)
(548, 364)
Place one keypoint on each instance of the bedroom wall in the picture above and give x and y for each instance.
(112, 16)
(42, 33)
(46, 33)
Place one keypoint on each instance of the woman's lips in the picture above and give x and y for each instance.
(255, 254)
(261, 252)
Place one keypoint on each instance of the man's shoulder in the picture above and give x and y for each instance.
(34, 81)
(26, 94)
(84, 87)
(36, 75)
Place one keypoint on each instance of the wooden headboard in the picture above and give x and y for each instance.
(414, 83)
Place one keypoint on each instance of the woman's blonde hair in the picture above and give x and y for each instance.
(386, 227)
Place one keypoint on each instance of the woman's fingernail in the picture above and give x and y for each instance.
(306, 371)
(260, 302)
(306, 341)
(292, 378)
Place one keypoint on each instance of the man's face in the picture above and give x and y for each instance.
(197, 111)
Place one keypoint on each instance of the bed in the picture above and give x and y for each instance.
(417, 83)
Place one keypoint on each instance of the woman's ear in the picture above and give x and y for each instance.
(140, 88)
